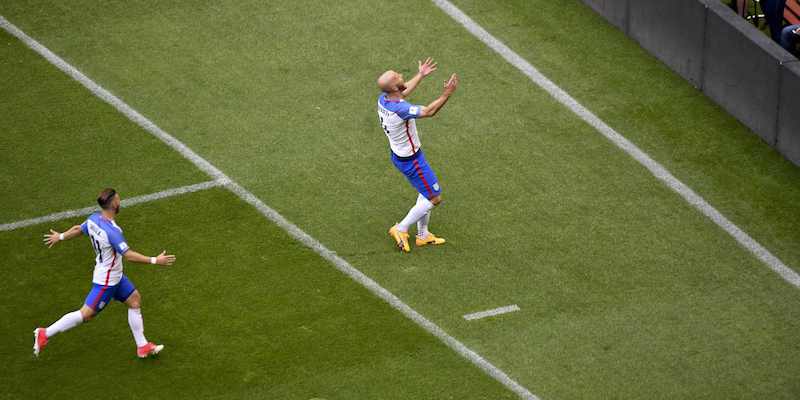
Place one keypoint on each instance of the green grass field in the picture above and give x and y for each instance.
(625, 291)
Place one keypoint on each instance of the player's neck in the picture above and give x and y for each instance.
(109, 215)
(394, 96)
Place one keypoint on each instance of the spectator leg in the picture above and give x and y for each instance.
(789, 39)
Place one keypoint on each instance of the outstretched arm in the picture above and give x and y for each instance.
(449, 87)
(425, 68)
(50, 239)
(161, 259)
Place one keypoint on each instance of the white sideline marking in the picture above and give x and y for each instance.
(492, 312)
(297, 233)
(125, 203)
(655, 168)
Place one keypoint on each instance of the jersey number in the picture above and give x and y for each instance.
(385, 128)
(96, 246)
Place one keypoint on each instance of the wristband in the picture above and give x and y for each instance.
(152, 260)
(60, 236)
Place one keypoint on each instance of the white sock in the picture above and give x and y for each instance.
(422, 224)
(415, 214)
(67, 322)
(137, 326)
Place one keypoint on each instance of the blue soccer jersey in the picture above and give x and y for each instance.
(398, 122)
(109, 247)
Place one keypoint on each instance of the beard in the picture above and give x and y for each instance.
(116, 210)
(401, 87)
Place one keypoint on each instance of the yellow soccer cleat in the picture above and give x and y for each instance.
(430, 239)
(401, 238)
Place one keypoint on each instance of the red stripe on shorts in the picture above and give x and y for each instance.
(422, 176)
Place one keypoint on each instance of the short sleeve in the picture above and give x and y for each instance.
(118, 242)
(85, 228)
(408, 111)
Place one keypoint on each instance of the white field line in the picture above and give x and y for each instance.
(125, 203)
(491, 313)
(297, 233)
(654, 167)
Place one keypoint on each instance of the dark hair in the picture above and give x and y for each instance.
(105, 198)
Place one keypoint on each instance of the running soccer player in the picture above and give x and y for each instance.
(398, 122)
(109, 282)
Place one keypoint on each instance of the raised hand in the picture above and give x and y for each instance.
(165, 259)
(451, 84)
(50, 239)
(426, 68)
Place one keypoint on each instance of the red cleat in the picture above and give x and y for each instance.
(150, 349)
(39, 340)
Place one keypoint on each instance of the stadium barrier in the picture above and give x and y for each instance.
(742, 70)
(789, 113)
(718, 52)
(673, 31)
(614, 11)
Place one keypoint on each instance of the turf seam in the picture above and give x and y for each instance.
(658, 170)
(132, 201)
(272, 215)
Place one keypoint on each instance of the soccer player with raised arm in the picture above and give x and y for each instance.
(109, 282)
(398, 122)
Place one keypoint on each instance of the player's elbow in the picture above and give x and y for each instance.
(428, 113)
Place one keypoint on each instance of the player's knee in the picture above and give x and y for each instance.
(134, 300)
(87, 313)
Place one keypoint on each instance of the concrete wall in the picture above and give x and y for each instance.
(789, 113)
(673, 31)
(615, 11)
(714, 49)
